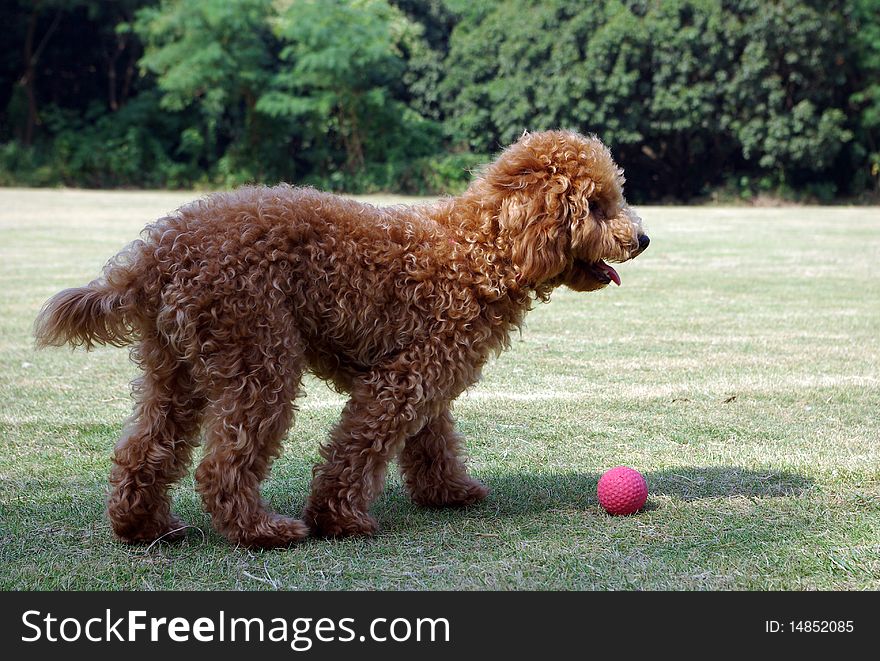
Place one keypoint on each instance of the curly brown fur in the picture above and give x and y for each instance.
(231, 298)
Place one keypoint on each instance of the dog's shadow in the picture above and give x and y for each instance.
(529, 493)
(512, 494)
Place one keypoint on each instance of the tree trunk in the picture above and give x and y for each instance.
(351, 137)
(112, 59)
(27, 79)
(31, 57)
(129, 74)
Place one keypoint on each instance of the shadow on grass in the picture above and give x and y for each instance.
(535, 492)
(79, 501)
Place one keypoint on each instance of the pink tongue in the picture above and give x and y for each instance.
(610, 272)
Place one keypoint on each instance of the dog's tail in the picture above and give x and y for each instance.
(85, 316)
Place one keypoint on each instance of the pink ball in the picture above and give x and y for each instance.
(622, 490)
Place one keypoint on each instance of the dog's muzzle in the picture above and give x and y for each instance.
(643, 244)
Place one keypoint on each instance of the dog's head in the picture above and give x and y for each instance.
(562, 214)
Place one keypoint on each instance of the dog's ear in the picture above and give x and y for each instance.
(534, 223)
(533, 213)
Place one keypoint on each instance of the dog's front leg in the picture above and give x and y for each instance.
(433, 468)
(389, 406)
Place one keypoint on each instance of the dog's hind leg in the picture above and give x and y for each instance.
(155, 449)
(252, 409)
(433, 470)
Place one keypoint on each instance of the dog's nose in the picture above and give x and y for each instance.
(643, 242)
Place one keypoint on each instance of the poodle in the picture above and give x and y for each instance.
(230, 299)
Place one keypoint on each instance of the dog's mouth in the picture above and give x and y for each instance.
(600, 271)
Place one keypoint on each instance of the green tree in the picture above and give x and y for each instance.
(683, 90)
(378, 94)
(865, 100)
(51, 42)
(216, 56)
(786, 99)
(340, 62)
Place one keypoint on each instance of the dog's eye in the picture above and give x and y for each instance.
(599, 213)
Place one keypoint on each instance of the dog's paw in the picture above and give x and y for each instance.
(459, 493)
(149, 531)
(273, 531)
(324, 522)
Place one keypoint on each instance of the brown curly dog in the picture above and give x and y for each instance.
(231, 298)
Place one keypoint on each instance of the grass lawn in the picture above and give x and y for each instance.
(738, 367)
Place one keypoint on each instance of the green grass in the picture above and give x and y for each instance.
(737, 368)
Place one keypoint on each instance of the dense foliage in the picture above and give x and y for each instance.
(693, 96)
